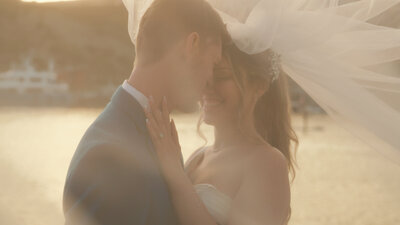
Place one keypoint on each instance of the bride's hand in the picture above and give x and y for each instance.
(165, 139)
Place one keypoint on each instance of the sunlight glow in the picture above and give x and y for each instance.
(46, 1)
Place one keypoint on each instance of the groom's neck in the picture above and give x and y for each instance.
(150, 81)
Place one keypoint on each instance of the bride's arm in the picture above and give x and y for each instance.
(188, 206)
(264, 195)
(193, 160)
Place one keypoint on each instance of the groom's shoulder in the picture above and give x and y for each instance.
(102, 167)
(113, 135)
(110, 129)
(104, 145)
(105, 155)
(94, 157)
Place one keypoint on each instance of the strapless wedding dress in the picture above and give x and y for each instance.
(216, 202)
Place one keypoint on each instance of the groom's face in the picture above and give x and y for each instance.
(197, 71)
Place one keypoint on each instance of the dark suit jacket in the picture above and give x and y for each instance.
(114, 178)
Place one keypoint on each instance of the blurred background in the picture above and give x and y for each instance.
(60, 62)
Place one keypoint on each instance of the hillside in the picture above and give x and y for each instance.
(88, 42)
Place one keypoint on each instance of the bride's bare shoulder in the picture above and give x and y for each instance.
(194, 158)
(266, 157)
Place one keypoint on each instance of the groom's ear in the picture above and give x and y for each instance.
(192, 46)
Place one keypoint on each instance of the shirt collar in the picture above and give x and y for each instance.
(135, 93)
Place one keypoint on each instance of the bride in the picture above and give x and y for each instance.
(243, 177)
(331, 50)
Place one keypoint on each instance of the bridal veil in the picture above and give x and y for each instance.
(330, 49)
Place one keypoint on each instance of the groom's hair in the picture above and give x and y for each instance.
(167, 21)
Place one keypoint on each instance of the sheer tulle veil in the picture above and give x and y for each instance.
(330, 49)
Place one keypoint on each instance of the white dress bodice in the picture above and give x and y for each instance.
(216, 202)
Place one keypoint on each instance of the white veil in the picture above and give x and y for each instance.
(327, 48)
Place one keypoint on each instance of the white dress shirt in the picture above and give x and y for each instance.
(135, 93)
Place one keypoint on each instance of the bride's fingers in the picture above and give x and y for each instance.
(153, 109)
(156, 130)
(174, 133)
(152, 132)
(155, 112)
(150, 115)
(165, 113)
(176, 141)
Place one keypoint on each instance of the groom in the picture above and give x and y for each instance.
(114, 176)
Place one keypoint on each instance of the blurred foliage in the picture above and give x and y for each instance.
(87, 40)
(88, 43)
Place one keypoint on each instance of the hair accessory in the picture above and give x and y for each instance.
(275, 66)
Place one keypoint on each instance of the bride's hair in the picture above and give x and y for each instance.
(272, 112)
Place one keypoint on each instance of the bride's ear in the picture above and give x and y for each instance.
(192, 44)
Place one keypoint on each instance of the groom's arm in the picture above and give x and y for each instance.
(106, 188)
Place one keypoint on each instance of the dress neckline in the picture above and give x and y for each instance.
(212, 187)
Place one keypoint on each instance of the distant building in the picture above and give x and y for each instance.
(27, 85)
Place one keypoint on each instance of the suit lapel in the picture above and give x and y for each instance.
(130, 106)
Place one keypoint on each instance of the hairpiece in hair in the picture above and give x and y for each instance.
(275, 65)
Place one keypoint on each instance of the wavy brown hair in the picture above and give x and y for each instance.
(272, 112)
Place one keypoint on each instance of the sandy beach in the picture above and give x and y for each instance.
(340, 180)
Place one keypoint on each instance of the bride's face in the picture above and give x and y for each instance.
(191, 74)
(221, 100)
